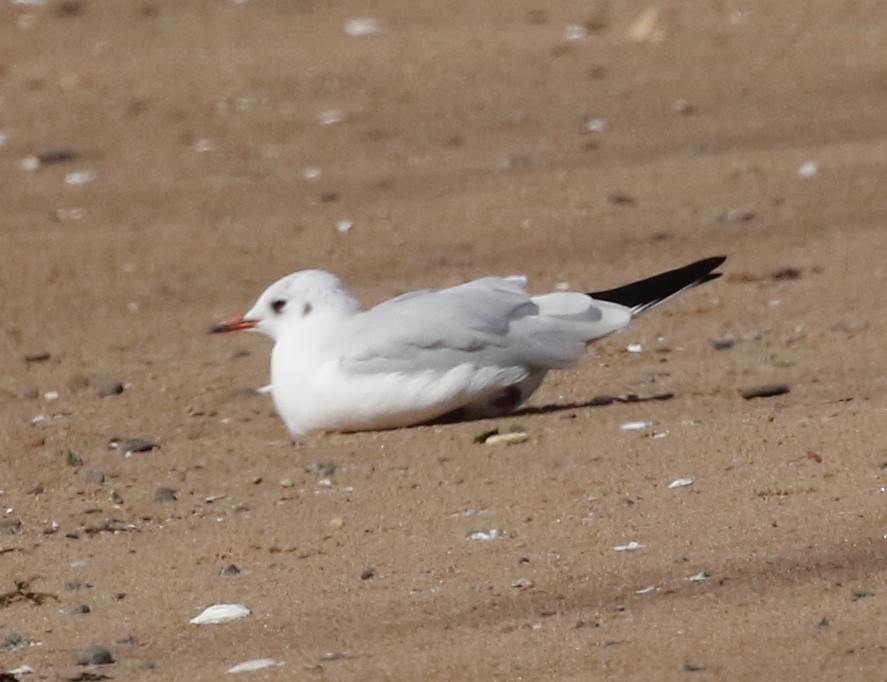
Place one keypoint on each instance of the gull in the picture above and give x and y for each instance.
(479, 349)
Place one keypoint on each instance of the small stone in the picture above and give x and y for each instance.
(630, 547)
(692, 668)
(620, 199)
(362, 27)
(73, 460)
(344, 226)
(96, 476)
(110, 389)
(36, 490)
(368, 572)
(736, 215)
(13, 641)
(487, 535)
(81, 177)
(337, 522)
(680, 483)
(786, 273)
(60, 155)
(39, 356)
(31, 394)
(230, 570)
(78, 382)
(95, 654)
(131, 445)
(164, 494)
(79, 609)
(765, 391)
(523, 583)
(723, 344)
(682, 106)
(808, 169)
(286, 483)
(321, 468)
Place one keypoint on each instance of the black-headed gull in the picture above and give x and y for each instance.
(478, 349)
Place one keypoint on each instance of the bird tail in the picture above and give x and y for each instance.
(646, 293)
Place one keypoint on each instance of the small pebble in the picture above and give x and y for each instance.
(321, 468)
(368, 572)
(630, 547)
(95, 654)
(523, 583)
(131, 445)
(786, 273)
(362, 27)
(723, 344)
(39, 356)
(808, 169)
(81, 177)
(765, 391)
(487, 535)
(61, 155)
(165, 495)
(286, 483)
(344, 226)
(620, 198)
(110, 389)
(96, 476)
(680, 483)
(230, 570)
(699, 577)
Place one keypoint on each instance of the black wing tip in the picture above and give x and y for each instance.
(646, 293)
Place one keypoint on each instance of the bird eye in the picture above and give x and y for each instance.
(277, 305)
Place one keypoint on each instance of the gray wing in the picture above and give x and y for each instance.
(490, 322)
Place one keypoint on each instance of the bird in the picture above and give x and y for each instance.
(475, 350)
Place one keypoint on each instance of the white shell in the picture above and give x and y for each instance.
(253, 665)
(507, 438)
(220, 613)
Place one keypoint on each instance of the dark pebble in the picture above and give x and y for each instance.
(824, 623)
(57, 156)
(76, 586)
(601, 400)
(723, 344)
(36, 490)
(39, 356)
(786, 273)
(96, 476)
(69, 8)
(861, 594)
(31, 394)
(130, 445)
(240, 353)
(692, 668)
(368, 572)
(230, 569)
(165, 495)
(621, 199)
(11, 526)
(73, 460)
(95, 654)
(79, 609)
(765, 391)
(321, 468)
(111, 388)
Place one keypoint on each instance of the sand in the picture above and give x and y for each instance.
(219, 145)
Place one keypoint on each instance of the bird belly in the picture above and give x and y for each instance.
(324, 398)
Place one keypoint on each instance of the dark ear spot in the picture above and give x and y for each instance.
(277, 305)
(306, 309)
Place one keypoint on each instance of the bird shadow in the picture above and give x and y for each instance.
(461, 415)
